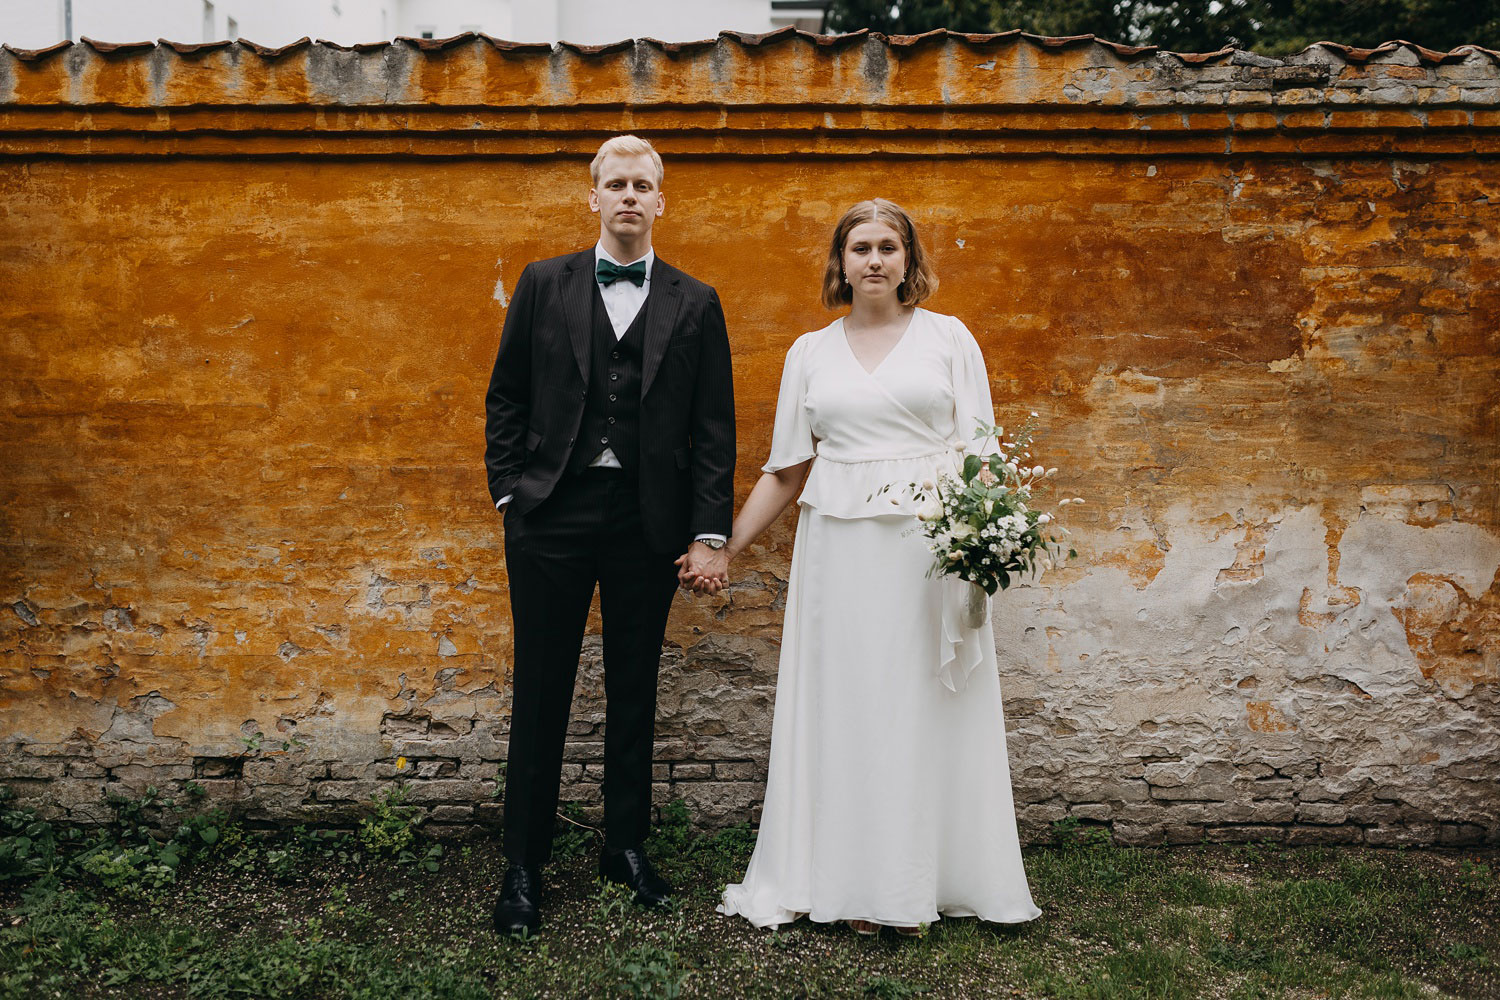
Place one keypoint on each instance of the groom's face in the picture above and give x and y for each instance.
(627, 196)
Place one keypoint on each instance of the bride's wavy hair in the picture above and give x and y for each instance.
(919, 281)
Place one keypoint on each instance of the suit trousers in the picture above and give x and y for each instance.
(588, 533)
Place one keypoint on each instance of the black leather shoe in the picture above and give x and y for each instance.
(630, 867)
(516, 911)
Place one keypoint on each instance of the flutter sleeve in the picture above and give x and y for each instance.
(962, 647)
(792, 441)
(971, 390)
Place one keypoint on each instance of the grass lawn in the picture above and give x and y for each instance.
(217, 912)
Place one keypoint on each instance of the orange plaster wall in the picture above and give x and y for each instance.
(243, 436)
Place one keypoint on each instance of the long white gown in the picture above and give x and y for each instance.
(889, 796)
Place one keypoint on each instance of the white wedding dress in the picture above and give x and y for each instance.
(889, 795)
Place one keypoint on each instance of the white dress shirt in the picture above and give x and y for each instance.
(622, 301)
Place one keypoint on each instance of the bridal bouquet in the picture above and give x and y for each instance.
(983, 527)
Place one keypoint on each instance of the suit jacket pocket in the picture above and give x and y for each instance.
(532, 440)
(683, 456)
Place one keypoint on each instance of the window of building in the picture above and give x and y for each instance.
(232, 29)
(208, 21)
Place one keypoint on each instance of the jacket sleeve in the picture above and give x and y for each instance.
(507, 404)
(712, 428)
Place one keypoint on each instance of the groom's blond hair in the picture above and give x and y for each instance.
(625, 145)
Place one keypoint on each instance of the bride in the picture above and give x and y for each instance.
(889, 798)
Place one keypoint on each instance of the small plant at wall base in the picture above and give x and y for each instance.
(390, 831)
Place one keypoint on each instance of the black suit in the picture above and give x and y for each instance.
(569, 527)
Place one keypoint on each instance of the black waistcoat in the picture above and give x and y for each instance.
(612, 410)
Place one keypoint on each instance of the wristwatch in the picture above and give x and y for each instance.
(714, 543)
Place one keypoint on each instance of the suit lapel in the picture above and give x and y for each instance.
(661, 316)
(577, 295)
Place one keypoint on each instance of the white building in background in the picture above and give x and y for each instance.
(34, 24)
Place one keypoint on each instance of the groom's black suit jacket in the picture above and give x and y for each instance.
(540, 383)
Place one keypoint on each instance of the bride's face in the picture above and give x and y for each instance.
(874, 260)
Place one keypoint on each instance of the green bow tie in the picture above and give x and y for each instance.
(608, 272)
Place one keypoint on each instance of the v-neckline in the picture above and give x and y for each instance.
(844, 336)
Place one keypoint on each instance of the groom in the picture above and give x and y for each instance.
(610, 449)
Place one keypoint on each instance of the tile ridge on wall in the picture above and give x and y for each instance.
(788, 66)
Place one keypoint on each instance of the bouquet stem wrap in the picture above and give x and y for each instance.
(976, 612)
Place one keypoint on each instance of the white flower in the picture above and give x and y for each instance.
(961, 531)
(1033, 413)
(1078, 499)
(1044, 519)
(928, 484)
(960, 447)
(930, 510)
(1064, 501)
(1037, 472)
(1052, 471)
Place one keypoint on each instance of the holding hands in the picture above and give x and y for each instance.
(702, 569)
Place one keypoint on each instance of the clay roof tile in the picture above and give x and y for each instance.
(598, 50)
(195, 48)
(508, 46)
(438, 44)
(275, 51)
(31, 55)
(355, 47)
(109, 48)
(674, 48)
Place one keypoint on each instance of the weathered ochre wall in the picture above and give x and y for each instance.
(250, 300)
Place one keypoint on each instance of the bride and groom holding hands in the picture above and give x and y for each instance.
(610, 450)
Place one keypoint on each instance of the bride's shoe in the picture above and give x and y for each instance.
(916, 932)
(865, 927)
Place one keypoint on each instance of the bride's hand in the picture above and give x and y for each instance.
(702, 575)
(705, 569)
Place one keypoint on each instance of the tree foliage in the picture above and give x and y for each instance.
(1273, 27)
